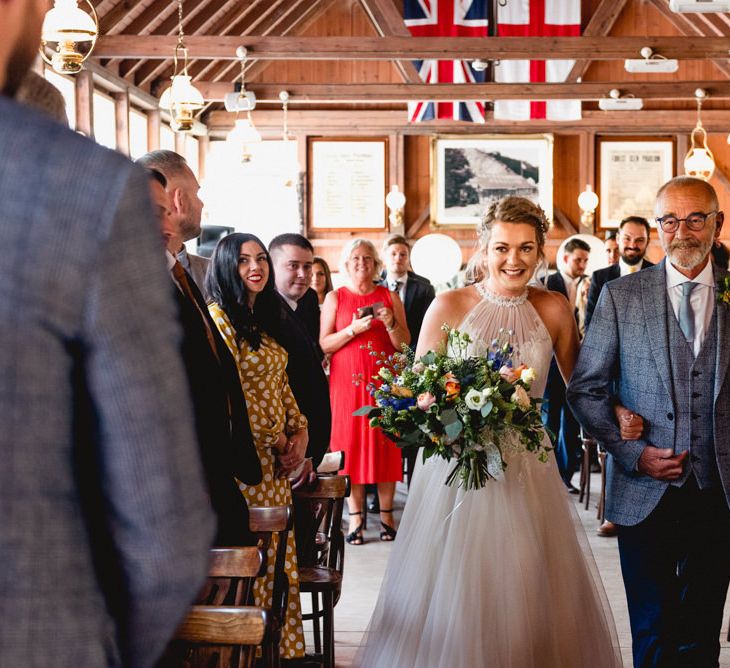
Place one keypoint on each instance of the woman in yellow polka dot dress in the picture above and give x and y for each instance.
(245, 309)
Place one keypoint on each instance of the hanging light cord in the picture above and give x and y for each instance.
(180, 46)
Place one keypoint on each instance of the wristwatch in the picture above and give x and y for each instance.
(350, 332)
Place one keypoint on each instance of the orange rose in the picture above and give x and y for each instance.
(452, 386)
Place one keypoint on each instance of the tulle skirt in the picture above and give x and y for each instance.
(494, 577)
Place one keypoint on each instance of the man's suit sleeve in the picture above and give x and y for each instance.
(593, 293)
(156, 509)
(589, 393)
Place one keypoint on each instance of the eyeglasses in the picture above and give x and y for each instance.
(695, 221)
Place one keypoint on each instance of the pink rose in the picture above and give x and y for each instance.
(425, 401)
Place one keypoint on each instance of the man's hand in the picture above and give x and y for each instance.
(631, 424)
(307, 476)
(661, 463)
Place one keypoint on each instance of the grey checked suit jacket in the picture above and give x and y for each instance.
(104, 520)
(626, 351)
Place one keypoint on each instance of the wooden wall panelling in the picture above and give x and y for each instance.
(84, 87)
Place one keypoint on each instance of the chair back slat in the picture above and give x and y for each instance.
(223, 625)
(328, 487)
(274, 519)
(235, 562)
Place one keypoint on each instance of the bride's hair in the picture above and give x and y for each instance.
(510, 209)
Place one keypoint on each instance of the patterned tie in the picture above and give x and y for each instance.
(686, 315)
(183, 280)
(394, 286)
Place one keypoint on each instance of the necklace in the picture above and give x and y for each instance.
(498, 300)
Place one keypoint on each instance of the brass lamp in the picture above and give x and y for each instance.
(181, 98)
(69, 34)
(588, 202)
(395, 200)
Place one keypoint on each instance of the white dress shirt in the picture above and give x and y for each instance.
(571, 285)
(630, 268)
(702, 299)
(402, 289)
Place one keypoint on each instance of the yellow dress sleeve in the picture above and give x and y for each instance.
(295, 419)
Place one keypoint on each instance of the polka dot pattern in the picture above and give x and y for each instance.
(272, 409)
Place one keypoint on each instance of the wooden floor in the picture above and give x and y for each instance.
(365, 565)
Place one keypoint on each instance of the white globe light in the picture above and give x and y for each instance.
(588, 200)
(395, 199)
(596, 260)
(437, 257)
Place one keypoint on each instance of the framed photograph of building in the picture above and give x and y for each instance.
(629, 175)
(468, 173)
(347, 180)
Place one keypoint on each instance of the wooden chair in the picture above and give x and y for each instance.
(322, 576)
(601, 514)
(228, 634)
(589, 447)
(265, 522)
(223, 629)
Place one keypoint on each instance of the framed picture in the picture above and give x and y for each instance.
(467, 173)
(629, 175)
(347, 183)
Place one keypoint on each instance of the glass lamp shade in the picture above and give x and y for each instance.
(65, 22)
(395, 200)
(244, 132)
(182, 99)
(699, 161)
(437, 257)
(588, 200)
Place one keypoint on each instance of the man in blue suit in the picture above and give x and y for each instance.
(105, 524)
(658, 345)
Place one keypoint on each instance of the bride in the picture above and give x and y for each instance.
(497, 576)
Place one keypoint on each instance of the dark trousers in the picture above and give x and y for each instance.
(564, 428)
(676, 568)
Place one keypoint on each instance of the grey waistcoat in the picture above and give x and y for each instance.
(692, 385)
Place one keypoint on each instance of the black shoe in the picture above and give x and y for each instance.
(572, 489)
(374, 505)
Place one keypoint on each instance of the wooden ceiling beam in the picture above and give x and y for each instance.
(109, 21)
(222, 47)
(688, 26)
(599, 25)
(388, 22)
(370, 122)
(400, 92)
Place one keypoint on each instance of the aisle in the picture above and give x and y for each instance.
(365, 565)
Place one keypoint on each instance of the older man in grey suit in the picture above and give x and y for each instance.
(101, 550)
(658, 344)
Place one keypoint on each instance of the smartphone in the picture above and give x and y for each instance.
(369, 310)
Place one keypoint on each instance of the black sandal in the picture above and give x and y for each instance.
(388, 533)
(355, 537)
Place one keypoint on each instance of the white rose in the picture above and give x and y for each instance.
(528, 376)
(474, 399)
(520, 397)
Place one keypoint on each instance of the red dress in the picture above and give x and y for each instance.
(369, 456)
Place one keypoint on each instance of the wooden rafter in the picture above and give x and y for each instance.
(249, 19)
(221, 47)
(370, 122)
(688, 25)
(109, 21)
(191, 24)
(400, 92)
(388, 22)
(599, 25)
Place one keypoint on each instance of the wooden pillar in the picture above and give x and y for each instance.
(84, 82)
(304, 174)
(153, 130)
(681, 148)
(180, 143)
(395, 173)
(121, 117)
(203, 147)
(587, 171)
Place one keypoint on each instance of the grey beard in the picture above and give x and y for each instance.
(689, 257)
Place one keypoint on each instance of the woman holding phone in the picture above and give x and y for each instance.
(360, 321)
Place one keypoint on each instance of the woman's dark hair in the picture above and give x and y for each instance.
(225, 287)
(328, 287)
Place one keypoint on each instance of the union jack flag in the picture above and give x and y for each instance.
(537, 18)
(446, 18)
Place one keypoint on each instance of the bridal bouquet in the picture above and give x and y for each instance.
(468, 409)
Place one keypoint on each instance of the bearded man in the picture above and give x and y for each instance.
(658, 346)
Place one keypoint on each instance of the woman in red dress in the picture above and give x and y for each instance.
(357, 319)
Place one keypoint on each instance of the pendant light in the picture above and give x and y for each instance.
(69, 34)
(699, 161)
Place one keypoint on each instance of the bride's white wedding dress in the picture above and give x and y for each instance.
(497, 576)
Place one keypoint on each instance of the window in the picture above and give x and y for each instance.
(191, 154)
(260, 196)
(68, 90)
(137, 134)
(105, 123)
(167, 137)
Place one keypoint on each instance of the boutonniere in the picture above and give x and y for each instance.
(723, 291)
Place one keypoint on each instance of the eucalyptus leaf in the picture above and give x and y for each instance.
(364, 410)
(453, 429)
(487, 408)
(449, 416)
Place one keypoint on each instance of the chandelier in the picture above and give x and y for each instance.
(181, 98)
(69, 34)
